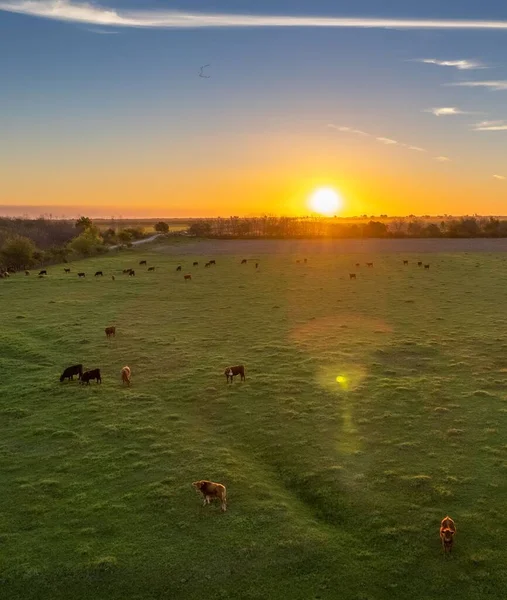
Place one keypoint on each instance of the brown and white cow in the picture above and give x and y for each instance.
(232, 372)
(212, 491)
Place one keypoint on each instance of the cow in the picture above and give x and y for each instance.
(212, 262)
(196, 264)
(151, 269)
(142, 262)
(87, 376)
(110, 331)
(358, 264)
(426, 266)
(113, 277)
(231, 372)
(405, 263)
(71, 371)
(305, 261)
(419, 264)
(187, 277)
(81, 274)
(43, 272)
(178, 268)
(212, 491)
(207, 265)
(369, 265)
(27, 272)
(132, 273)
(256, 265)
(352, 276)
(99, 274)
(244, 261)
(125, 375)
(126, 271)
(297, 262)
(67, 270)
(447, 533)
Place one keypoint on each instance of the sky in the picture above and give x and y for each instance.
(402, 109)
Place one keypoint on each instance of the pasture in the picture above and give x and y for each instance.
(371, 409)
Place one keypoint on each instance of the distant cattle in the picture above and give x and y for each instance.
(126, 271)
(358, 264)
(110, 331)
(306, 260)
(447, 533)
(43, 272)
(231, 372)
(67, 270)
(426, 266)
(132, 273)
(256, 265)
(352, 276)
(206, 266)
(212, 491)
(125, 375)
(81, 274)
(71, 371)
(369, 265)
(113, 277)
(196, 264)
(244, 261)
(212, 262)
(142, 262)
(297, 262)
(27, 272)
(187, 277)
(99, 274)
(178, 268)
(419, 264)
(405, 262)
(151, 268)
(89, 375)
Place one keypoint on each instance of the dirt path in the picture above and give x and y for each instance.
(139, 242)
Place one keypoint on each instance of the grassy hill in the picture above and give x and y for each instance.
(371, 409)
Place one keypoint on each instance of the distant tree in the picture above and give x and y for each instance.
(124, 236)
(109, 235)
(375, 229)
(200, 228)
(162, 227)
(87, 243)
(136, 233)
(18, 252)
(83, 223)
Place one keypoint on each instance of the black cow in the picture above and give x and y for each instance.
(405, 262)
(231, 372)
(212, 262)
(352, 276)
(89, 375)
(43, 272)
(67, 270)
(419, 264)
(71, 371)
(27, 272)
(244, 261)
(132, 273)
(426, 266)
(142, 262)
(151, 269)
(256, 265)
(196, 264)
(81, 274)
(99, 274)
(206, 266)
(178, 268)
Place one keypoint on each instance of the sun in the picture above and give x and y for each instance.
(325, 201)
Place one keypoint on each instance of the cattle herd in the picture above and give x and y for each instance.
(208, 489)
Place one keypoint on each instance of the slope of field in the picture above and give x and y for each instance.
(371, 409)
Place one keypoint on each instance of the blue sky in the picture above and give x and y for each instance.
(123, 117)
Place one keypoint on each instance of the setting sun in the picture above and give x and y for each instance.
(325, 201)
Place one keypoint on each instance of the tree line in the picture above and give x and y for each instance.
(288, 227)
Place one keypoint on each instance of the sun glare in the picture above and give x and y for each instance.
(325, 201)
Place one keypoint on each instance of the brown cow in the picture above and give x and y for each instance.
(212, 491)
(231, 372)
(405, 262)
(447, 533)
(369, 264)
(142, 262)
(358, 264)
(426, 266)
(110, 331)
(212, 262)
(125, 375)
(244, 261)
(151, 268)
(352, 276)
(187, 277)
(419, 264)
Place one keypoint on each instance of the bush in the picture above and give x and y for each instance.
(162, 227)
(18, 252)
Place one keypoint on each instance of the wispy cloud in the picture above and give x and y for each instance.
(462, 65)
(415, 148)
(383, 140)
(84, 12)
(101, 31)
(492, 85)
(491, 126)
(446, 111)
(349, 130)
(501, 177)
(442, 159)
(387, 141)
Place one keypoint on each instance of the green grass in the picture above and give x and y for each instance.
(336, 490)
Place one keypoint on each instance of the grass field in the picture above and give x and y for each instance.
(336, 488)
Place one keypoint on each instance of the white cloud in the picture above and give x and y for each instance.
(492, 85)
(491, 126)
(446, 111)
(387, 141)
(462, 65)
(349, 130)
(442, 159)
(85, 12)
(415, 148)
(501, 177)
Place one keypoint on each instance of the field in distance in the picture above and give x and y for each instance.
(371, 409)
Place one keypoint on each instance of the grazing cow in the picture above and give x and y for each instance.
(196, 264)
(231, 372)
(369, 264)
(419, 264)
(125, 375)
(447, 533)
(306, 260)
(125, 271)
(178, 268)
(43, 272)
(256, 265)
(244, 261)
(142, 262)
(426, 266)
(212, 491)
(71, 371)
(358, 264)
(110, 331)
(27, 272)
(151, 268)
(212, 262)
(87, 376)
(113, 277)
(352, 276)
(187, 277)
(132, 273)
(405, 262)
(206, 265)
(99, 274)
(67, 270)
(81, 274)
(297, 262)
